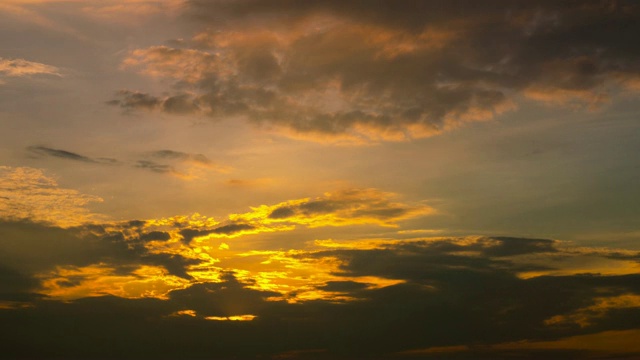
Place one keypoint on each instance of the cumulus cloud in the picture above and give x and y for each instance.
(389, 70)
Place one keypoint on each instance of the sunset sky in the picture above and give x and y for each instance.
(319, 179)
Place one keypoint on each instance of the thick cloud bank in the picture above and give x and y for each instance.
(389, 70)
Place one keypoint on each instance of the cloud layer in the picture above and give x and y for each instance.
(178, 282)
(389, 70)
(443, 297)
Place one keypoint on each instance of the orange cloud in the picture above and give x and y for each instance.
(21, 67)
(28, 194)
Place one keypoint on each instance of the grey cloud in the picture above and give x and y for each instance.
(177, 163)
(181, 156)
(190, 234)
(16, 286)
(82, 246)
(508, 246)
(232, 228)
(370, 204)
(135, 100)
(179, 104)
(155, 167)
(155, 235)
(68, 155)
(456, 299)
(394, 69)
(343, 286)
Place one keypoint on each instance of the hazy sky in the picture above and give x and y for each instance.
(319, 179)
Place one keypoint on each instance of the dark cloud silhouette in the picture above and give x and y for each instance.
(17, 287)
(228, 229)
(84, 246)
(392, 69)
(343, 286)
(135, 100)
(345, 207)
(177, 163)
(155, 235)
(468, 303)
(175, 157)
(181, 104)
(155, 167)
(181, 156)
(63, 154)
(473, 294)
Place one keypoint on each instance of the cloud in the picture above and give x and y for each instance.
(390, 70)
(180, 164)
(181, 156)
(156, 167)
(28, 194)
(68, 155)
(21, 67)
(458, 297)
(135, 100)
(346, 207)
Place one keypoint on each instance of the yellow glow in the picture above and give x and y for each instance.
(194, 220)
(231, 318)
(581, 264)
(586, 316)
(97, 280)
(28, 194)
(191, 313)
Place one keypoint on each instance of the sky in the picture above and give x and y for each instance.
(280, 179)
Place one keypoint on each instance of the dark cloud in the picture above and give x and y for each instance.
(232, 228)
(173, 156)
(180, 104)
(343, 286)
(453, 294)
(189, 234)
(181, 156)
(345, 207)
(177, 163)
(155, 235)
(135, 100)
(392, 69)
(508, 246)
(155, 167)
(468, 303)
(63, 154)
(17, 287)
(84, 246)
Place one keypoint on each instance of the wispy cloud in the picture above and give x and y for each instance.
(68, 155)
(21, 68)
(176, 163)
